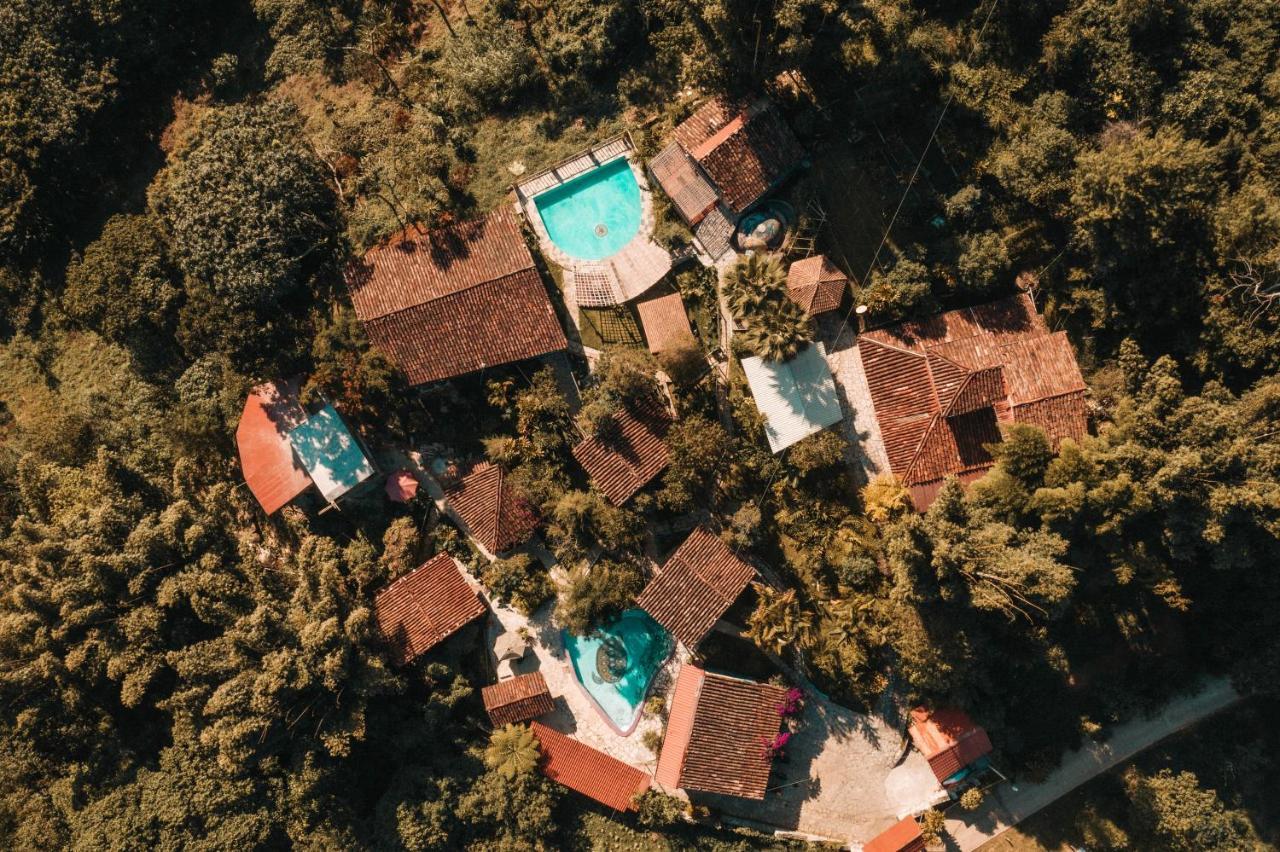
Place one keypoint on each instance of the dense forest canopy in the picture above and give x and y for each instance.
(181, 185)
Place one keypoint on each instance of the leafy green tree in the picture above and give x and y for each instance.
(510, 813)
(246, 205)
(584, 520)
(901, 292)
(594, 595)
(488, 65)
(1176, 813)
(700, 452)
(520, 580)
(778, 621)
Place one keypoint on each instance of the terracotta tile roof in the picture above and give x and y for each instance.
(666, 325)
(272, 472)
(903, 836)
(744, 147)
(590, 772)
(684, 183)
(450, 301)
(948, 739)
(517, 699)
(629, 458)
(716, 734)
(698, 583)
(816, 284)
(942, 386)
(494, 514)
(424, 607)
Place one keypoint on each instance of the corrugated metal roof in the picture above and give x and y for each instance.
(425, 607)
(796, 397)
(495, 515)
(816, 284)
(272, 472)
(517, 699)
(698, 583)
(590, 772)
(948, 739)
(666, 325)
(330, 453)
(725, 748)
(629, 457)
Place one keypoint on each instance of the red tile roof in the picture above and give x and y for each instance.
(590, 772)
(948, 739)
(494, 514)
(698, 583)
(666, 325)
(629, 457)
(903, 836)
(942, 386)
(816, 284)
(745, 148)
(424, 607)
(716, 735)
(454, 300)
(517, 699)
(271, 471)
(683, 181)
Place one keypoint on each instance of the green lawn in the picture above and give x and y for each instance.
(1236, 752)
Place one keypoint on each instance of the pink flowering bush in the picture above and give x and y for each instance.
(792, 702)
(774, 747)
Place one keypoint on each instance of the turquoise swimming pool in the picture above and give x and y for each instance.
(616, 665)
(595, 214)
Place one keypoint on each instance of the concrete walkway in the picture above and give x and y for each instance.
(1005, 808)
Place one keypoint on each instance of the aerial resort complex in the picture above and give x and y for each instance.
(640, 425)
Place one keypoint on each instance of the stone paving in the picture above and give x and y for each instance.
(866, 454)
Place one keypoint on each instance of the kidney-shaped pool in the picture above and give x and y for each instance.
(616, 665)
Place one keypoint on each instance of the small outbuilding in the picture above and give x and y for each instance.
(424, 607)
(902, 836)
(630, 453)
(816, 284)
(697, 585)
(517, 699)
(797, 398)
(491, 510)
(951, 741)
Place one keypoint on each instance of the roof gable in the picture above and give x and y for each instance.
(721, 746)
(494, 514)
(629, 457)
(683, 181)
(272, 472)
(697, 585)
(424, 607)
(588, 771)
(903, 836)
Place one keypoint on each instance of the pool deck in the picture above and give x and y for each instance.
(622, 276)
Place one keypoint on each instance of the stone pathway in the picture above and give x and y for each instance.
(867, 455)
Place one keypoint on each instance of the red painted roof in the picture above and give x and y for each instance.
(517, 699)
(495, 515)
(816, 284)
(903, 836)
(424, 607)
(629, 457)
(590, 772)
(942, 386)
(948, 739)
(744, 147)
(716, 735)
(698, 583)
(271, 471)
(450, 301)
(666, 325)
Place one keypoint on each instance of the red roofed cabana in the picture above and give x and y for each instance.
(717, 733)
(629, 457)
(517, 699)
(816, 284)
(949, 740)
(697, 585)
(585, 770)
(271, 470)
(488, 506)
(903, 836)
(424, 607)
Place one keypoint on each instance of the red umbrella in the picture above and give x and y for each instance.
(401, 486)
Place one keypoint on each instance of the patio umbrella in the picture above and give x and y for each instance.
(510, 646)
(402, 486)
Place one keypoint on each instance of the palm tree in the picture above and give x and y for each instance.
(752, 284)
(778, 622)
(513, 750)
(778, 332)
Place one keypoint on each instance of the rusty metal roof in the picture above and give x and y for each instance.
(517, 699)
(271, 470)
(631, 454)
(590, 772)
(902, 836)
(424, 607)
(698, 583)
(717, 733)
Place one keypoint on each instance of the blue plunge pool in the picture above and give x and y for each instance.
(595, 214)
(617, 664)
